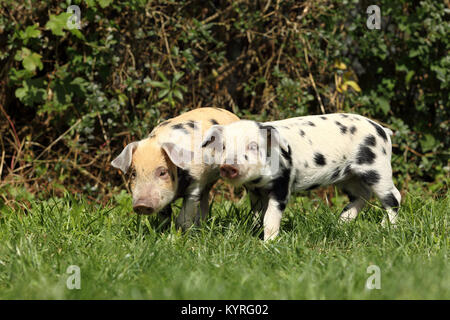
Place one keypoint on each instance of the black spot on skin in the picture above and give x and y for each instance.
(213, 121)
(309, 141)
(319, 159)
(379, 129)
(256, 181)
(344, 157)
(324, 118)
(370, 177)
(347, 170)
(370, 141)
(246, 157)
(192, 124)
(212, 139)
(336, 174)
(384, 150)
(184, 180)
(152, 135)
(306, 164)
(341, 127)
(352, 129)
(365, 155)
(390, 201)
(346, 207)
(280, 188)
(343, 115)
(264, 126)
(313, 186)
(164, 123)
(311, 124)
(287, 155)
(179, 126)
(302, 133)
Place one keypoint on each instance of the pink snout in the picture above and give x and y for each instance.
(143, 206)
(229, 171)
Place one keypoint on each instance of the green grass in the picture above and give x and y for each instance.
(123, 256)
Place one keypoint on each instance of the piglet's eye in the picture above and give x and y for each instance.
(253, 146)
(161, 172)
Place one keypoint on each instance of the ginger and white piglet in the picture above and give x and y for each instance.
(169, 164)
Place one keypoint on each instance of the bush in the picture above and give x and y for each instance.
(72, 98)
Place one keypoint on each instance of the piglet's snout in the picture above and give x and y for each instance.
(143, 206)
(229, 171)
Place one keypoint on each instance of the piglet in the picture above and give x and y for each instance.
(169, 164)
(274, 159)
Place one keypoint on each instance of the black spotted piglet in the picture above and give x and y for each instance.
(273, 159)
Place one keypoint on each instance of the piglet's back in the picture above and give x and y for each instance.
(187, 123)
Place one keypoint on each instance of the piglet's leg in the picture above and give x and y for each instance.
(187, 215)
(204, 203)
(258, 202)
(190, 211)
(195, 206)
(272, 220)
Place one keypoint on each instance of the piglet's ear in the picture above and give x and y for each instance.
(213, 137)
(123, 161)
(180, 157)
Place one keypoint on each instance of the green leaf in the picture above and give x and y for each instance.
(58, 23)
(157, 84)
(383, 104)
(77, 33)
(162, 76)
(409, 76)
(178, 94)
(32, 92)
(29, 33)
(22, 92)
(104, 3)
(177, 76)
(163, 93)
(32, 62)
(428, 143)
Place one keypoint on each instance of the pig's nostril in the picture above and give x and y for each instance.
(223, 172)
(233, 172)
(141, 209)
(228, 171)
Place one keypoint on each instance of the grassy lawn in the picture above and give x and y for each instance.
(122, 256)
